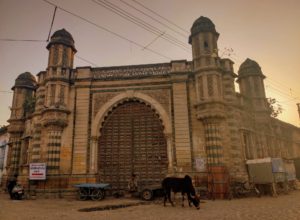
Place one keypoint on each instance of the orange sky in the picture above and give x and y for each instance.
(266, 31)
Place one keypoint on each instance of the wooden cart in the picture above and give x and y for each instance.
(94, 191)
(268, 172)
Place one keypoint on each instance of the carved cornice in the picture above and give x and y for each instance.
(131, 72)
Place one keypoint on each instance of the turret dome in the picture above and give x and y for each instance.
(249, 68)
(202, 24)
(25, 80)
(62, 37)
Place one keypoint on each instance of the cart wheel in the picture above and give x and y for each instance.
(82, 194)
(147, 194)
(97, 194)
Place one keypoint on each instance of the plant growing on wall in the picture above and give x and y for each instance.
(274, 107)
(29, 105)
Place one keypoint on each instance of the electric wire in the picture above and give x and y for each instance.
(26, 40)
(152, 41)
(157, 14)
(269, 85)
(30, 40)
(280, 91)
(52, 22)
(44, 41)
(283, 86)
(151, 17)
(146, 26)
(285, 96)
(106, 29)
(85, 60)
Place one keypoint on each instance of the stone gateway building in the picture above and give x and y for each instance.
(103, 124)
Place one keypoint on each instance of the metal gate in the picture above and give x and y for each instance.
(132, 141)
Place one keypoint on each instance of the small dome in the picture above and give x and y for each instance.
(202, 24)
(249, 67)
(62, 37)
(26, 80)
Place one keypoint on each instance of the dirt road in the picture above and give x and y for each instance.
(282, 207)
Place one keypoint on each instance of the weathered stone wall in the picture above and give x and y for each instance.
(197, 131)
(181, 126)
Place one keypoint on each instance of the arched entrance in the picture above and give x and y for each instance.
(132, 141)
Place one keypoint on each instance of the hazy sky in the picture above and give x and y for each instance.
(267, 31)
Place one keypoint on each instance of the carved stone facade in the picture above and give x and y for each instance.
(200, 120)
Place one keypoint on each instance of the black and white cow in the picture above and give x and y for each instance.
(183, 185)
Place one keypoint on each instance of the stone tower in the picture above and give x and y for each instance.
(22, 106)
(250, 79)
(55, 92)
(208, 79)
(61, 55)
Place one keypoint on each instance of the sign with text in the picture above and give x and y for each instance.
(200, 164)
(37, 171)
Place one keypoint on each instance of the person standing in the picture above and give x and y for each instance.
(132, 184)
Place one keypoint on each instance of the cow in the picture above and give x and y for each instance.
(183, 185)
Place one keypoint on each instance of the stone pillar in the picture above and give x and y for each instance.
(14, 154)
(170, 153)
(93, 155)
(80, 151)
(181, 116)
(213, 143)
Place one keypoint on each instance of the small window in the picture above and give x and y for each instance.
(205, 45)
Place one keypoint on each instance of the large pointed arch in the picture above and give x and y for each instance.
(104, 110)
(115, 101)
